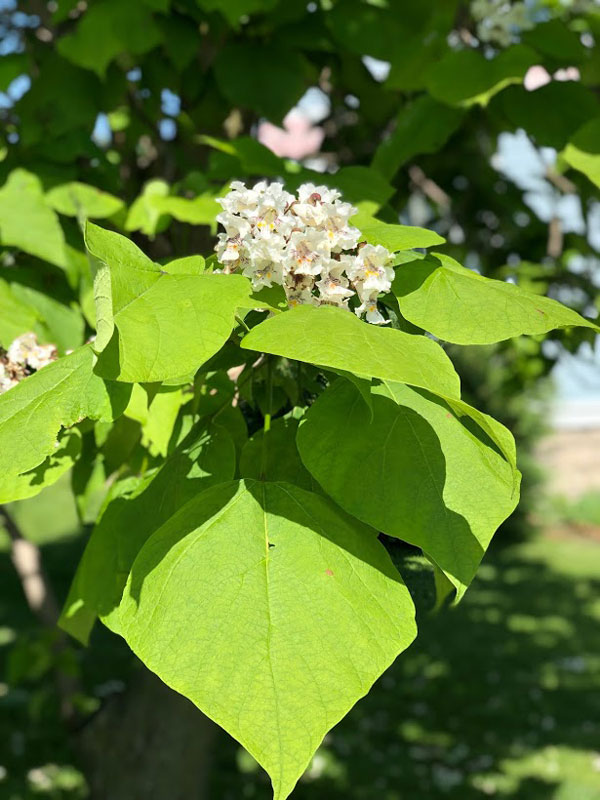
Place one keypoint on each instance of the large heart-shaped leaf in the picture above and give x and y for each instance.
(414, 470)
(165, 325)
(458, 305)
(335, 338)
(272, 611)
(134, 510)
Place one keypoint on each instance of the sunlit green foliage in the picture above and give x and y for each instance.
(243, 457)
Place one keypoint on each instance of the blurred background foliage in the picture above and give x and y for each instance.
(478, 120)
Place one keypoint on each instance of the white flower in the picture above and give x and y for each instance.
(309, 193)
(241, 200)
(234, 225)
(369, 306)
(7, 378)
(23, 357)
(229, 249)
(27, 352)
(334, 290)
(341, 235)
(271, 208)
(264, 264)
(307, 249)
(370, 272)
(304, 244)
(304, 297)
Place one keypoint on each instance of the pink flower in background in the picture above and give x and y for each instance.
(536, 76)
(539, 76)
(297, 139)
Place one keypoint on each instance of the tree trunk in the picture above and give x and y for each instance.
(149, 743)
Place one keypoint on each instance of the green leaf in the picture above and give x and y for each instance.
(201, 210)
(583, 151)
(363, 386)
(369, 28)
(253, 157)
(16, 316)
(411, 62)
(529, 110)
(162, 415)
(364, 187)
(130, 516)
(465, 77)
(460, 306)
(422, 127)
(166, 325)
(273, 456)
(395, 237)
(188, 265)
(59, 395)
(180, 40)
(264, 78)
(108, 28)
(81, 200)
(554, 38)
(102, 302)
(11, 66)
(277, 613)
(335, 338)
(56, 322)
(234, 10)
(144, 214)
(415, 471)
(27, 222)
(157, 412)
(20, 487)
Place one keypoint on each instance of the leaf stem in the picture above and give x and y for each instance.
(241, 321)
(267, 417)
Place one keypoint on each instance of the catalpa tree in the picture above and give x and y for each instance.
(249, 573)
(249, 429)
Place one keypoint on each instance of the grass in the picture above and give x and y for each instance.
(582, 511)
(499, 697)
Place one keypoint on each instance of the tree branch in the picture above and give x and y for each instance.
(27, 561)
(429, 187)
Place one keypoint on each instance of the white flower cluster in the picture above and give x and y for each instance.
(24, 356)
(304, 244)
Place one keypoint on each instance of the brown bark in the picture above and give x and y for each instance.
(149, 743)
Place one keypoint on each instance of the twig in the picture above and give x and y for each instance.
(555, 238)
(560, 181)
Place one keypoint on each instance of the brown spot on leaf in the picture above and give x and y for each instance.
(328, 572)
